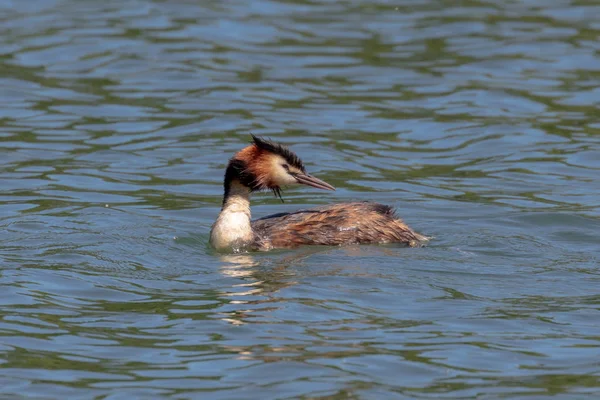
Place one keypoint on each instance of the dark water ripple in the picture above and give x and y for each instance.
(477, 120)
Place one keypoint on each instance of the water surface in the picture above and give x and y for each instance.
(478, 120)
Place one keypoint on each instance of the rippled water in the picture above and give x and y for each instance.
(478, 120)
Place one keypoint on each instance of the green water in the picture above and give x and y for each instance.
(477, 120)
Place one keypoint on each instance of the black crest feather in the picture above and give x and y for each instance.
(279, 149)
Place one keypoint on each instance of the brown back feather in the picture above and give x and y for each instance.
(337, 224)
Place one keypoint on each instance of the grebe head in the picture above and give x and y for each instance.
(268, 165)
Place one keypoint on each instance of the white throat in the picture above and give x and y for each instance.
(232, 229)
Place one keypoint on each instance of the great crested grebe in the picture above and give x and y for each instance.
(268, 165)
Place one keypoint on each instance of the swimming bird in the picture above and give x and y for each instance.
(266, 165)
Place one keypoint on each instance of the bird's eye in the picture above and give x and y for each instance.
(286, 167)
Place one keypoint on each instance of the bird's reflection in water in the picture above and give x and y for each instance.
(238, 265)
(262, 278)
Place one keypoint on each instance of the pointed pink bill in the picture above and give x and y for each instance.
(310, 180)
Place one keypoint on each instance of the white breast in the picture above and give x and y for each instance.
(232, 229)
